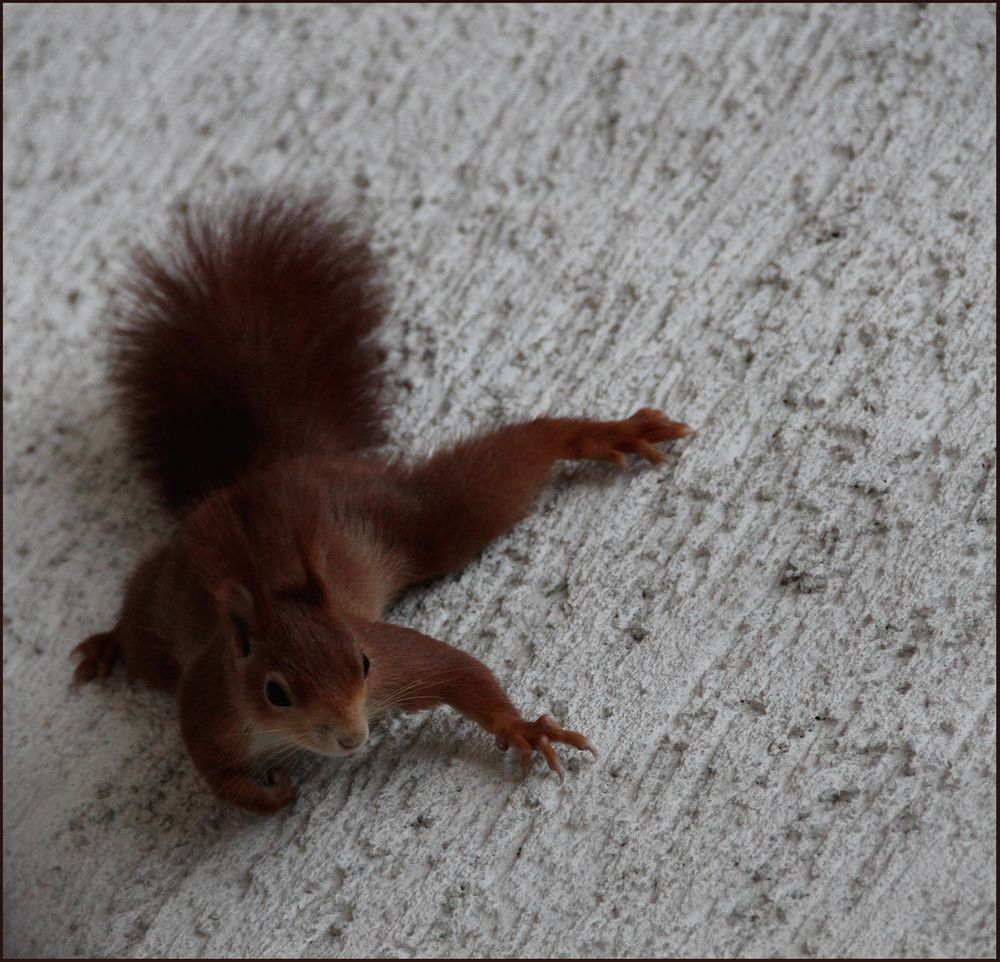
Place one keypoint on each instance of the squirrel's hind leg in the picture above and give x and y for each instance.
(470, 493)
(100, 652)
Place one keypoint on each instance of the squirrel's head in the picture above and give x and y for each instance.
(300, 672)
(298, 669)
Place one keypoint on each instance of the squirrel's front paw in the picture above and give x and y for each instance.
(261, 795)
(529, 737)
(613, 440)
(279, 783)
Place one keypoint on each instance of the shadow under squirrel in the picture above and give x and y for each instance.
(251, 384)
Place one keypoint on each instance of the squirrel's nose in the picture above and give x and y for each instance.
(354, 737)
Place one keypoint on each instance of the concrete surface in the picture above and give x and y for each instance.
(776, 222)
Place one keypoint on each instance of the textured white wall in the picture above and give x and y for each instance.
(777, 223)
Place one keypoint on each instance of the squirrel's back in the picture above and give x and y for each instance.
(249, 337)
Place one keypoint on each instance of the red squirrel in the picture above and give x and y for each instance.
(251, 380)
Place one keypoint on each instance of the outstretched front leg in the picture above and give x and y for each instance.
(413, 672)
(465, 496)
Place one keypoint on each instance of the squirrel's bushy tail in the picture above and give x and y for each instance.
(249, 337)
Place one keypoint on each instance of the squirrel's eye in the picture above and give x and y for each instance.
(277, 695)
(366, 664)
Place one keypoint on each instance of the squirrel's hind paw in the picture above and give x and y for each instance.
(613, 440)
(99, 652)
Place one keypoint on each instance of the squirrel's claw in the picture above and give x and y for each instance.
(538, 736)
(545, 747)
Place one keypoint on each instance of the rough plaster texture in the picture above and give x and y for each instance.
(776, 223)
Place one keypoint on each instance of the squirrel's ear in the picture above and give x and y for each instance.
(242, 636)
(316, 589)
(242, 603)
(215, 534)
(245, 616)
(238, 600)
(313, 588)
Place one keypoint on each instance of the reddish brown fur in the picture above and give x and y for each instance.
(249, 338)
(250, 381)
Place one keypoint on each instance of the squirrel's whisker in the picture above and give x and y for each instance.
(246, 361)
